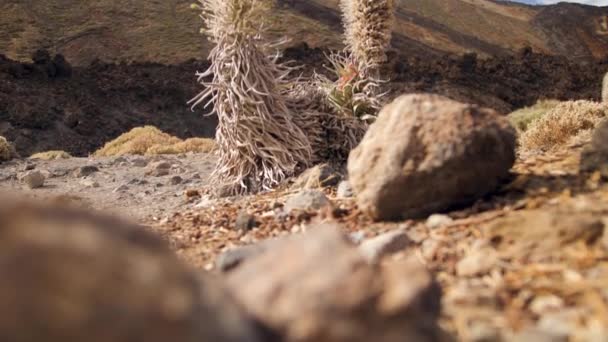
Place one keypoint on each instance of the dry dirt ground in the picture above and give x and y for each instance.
(129, 186)
(529, 260)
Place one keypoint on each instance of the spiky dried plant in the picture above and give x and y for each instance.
(357, 91)
(368, 28)
(259, 144)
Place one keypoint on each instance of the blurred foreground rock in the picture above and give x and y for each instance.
(70, 276)
(426, 153)
(595, 156)
(319, 287)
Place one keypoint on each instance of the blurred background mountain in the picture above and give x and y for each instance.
(167, 31)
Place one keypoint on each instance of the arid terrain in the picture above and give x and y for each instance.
(168, 31)
(474, 209)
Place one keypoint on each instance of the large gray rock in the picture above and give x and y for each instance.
(70, 276)
(426, 153)
(319, 287)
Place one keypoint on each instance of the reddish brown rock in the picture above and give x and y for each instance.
(319, 287)
(426, 153)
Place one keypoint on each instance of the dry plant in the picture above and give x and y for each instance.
(353, 93)
(149, 140)
(51, 155)
(368, 30)
(523, 118)
(566, 120)
(6, 150)
(605, 89)
(259, 144)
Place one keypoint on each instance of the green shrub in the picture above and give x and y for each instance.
(522, 118)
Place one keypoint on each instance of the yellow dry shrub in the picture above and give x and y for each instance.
(6, 152)
(196, 145)
(566, 120)
(523, 118)
(149, 140)
(51, 155)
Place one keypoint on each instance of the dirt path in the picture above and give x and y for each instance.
(131, 187)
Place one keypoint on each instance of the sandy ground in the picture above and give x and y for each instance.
(125, 186)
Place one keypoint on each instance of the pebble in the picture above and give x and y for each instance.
(438, 220)
(477, 262)
(176, 180)
(383, 245)
(85, 171)
(89, 183)
(345, 190)
(139, 162)
(543, 304)
(244, 221)
(33, 179)
(307, 200)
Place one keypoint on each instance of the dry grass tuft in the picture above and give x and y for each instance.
(196, 145)
(51, 155)
(149, 140)
(6, 150)
(522, 118)
(566, 120)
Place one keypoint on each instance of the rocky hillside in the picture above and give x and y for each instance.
(168, 31)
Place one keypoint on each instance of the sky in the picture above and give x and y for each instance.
(546, 2)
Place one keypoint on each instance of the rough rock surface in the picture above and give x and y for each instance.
(306, 200)
(33, 179)
(595, 155)
(427, 153)
(72, 276)
(319, 287)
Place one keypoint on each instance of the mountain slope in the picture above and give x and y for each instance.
(167, 31)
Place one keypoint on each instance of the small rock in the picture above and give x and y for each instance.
(176, 180)
(543, 304)
(29, 166)
(33, 179)
(159, 169)
(384, 245)
(319, 176)
(357, 237)
(85, 171)
(426, 153)
(244, 221)
(345, 190)
(119, 160)
(89, 183)
(437, 220)
(191, 193)
(478, 262)
(234, 257)
(121, 188)
(429, 248)
(307, 200)
(139, 162)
